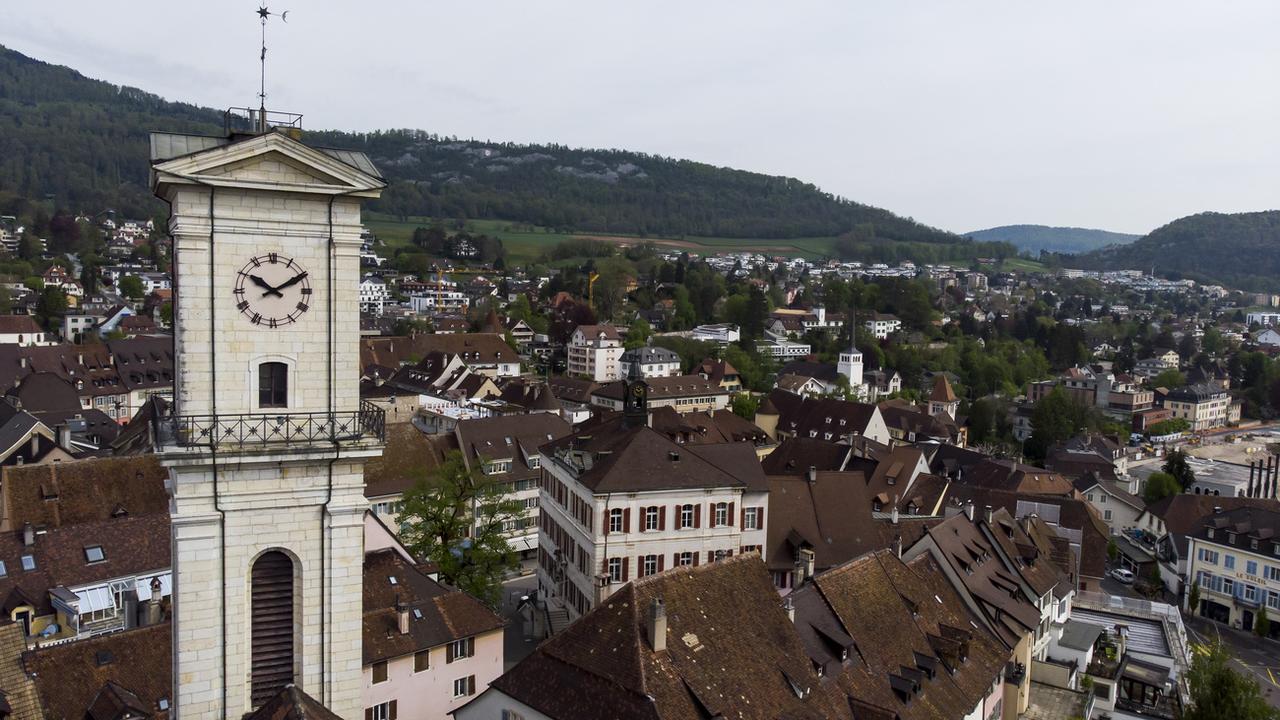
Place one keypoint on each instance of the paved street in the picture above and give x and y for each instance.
(516, 645)
(1257, 658)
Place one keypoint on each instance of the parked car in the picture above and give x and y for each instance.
(1123, 575)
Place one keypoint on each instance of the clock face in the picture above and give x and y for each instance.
(272, 290)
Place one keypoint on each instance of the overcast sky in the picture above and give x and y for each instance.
(964, 115)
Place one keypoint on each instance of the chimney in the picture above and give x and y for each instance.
(968, 510)
(812, 474)
(402, 616)
(151, 611)
(897, 546)
(986, 514)
(22, 361)
(64, 437)
(893, 514)
(790, 608)
(28, 535)
(657, 625)
(804, 565)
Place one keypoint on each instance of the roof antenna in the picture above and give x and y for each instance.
(263, 15)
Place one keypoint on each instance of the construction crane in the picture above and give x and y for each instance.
(591, 289)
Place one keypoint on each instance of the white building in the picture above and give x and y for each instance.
(23, 330)
(621, 501)
(373, 295)
(1235, 559)
(595, 352)
(882, 326)
(722, 333)
(653, 362)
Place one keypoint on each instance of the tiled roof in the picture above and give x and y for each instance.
(68, 493)
(408, 456)
(15, 324)
(292, 704)
(437, 615)
(603, 665)
(665, 387)
(517, 437)
(70, 677)
(698, 428)
(1015, 477)
(800, 416)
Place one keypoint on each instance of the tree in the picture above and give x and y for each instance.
(1175, 463)
(1262, 623)
(1193, 598)
(1218, 691)
(1170, 378)
(131, 286)
(1054, 420)
(1113, 550)
(638, 333)
(744, 405)
(52, 302)
(443, 509)
(1160, 485)
(6, 301)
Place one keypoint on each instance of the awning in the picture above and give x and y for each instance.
(524, 543)
(144, 586)
(92, 599)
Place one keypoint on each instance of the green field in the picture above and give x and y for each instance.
(525, 243)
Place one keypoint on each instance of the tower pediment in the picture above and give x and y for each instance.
(271, 161)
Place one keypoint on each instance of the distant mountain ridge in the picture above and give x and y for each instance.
(83, 142)
(1241, 250)
(1034, 238)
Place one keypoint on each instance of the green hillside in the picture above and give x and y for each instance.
(1034, 238)
(81, 144)
(1240, 250)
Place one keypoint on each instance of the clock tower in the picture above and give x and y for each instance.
(267, 436)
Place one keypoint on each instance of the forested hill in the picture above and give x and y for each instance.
(1240, 250)
(84, 142)
(1034, 238)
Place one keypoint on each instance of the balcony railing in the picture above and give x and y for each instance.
(367, 423)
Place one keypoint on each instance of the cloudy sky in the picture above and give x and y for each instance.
(964, 115)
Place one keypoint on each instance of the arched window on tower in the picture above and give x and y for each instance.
(273, 385)
(271, 643)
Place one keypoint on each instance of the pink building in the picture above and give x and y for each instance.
(427, 649)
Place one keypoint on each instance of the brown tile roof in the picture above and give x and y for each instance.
(144, 362)
(592, 332)
(409, 455)
(795, 455)
(699, 428)
(799, 415)
(1073, 514)
(14, 324)
(475, 348)
(906, 629)
(70, 677)
(446, 615)
(906, 418)
(665, 387)
(832, 515)
(942, 391)
(75, 492)
(292, 704)
(18, 688)
(1016, 477)
(516, 437)
(603, 665)
(639, 458)
(131, 546)
(572, 389)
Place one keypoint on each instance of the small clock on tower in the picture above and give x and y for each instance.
(272, 290)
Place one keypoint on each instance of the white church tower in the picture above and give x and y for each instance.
(850, 366)
(267, 437)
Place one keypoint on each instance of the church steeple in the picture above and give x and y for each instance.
(635, 402)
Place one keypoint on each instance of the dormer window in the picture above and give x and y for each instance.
(1209, 533)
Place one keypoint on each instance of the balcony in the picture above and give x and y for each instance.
(286, 429)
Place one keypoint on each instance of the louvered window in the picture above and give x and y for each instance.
(272, 639)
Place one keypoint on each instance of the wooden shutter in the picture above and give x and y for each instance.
(471, 689)
(368, 713)
(729, 515)
(625, 571)
(662, 518)
(711, 556)
(661, 562)
(271, 645)
(626, 520)
(742, 520)
(392, 716)
(697, 516)
(760, 517)
(448, 653)
(695, 559)
(675, 560)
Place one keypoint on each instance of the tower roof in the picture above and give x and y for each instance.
(942, 391)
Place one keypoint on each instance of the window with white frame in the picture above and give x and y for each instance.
(615, 570)
(381, 711)
(615, 520)
(1273, 600)
(1209, 556)
(649, 566)
(686, 558)
(652, 517)
(751, 519)
(1229, 562)
(1250, 567)
(459, 649)
(464, 686)
(722, 514)
(686, 516)
(1273, 573)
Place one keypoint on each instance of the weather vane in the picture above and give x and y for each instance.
(263, 15)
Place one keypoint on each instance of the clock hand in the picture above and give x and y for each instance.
(265, 286)
(292, 281)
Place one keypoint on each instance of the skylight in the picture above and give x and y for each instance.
(417, 614)
(393, 580)
(4, 571)
(28, 562)
(94, 553)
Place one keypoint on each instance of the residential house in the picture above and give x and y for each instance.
(23, 330)
(882, 325)
(1119, 508)
(685, 393)
(1203, 406)
(621, 500)
(595, 352)
(1234, 557)
(650, 361)
(825, 419)
(373, 295)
